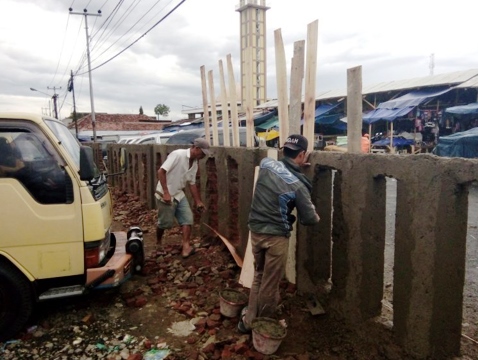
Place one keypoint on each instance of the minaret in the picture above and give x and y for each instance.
(253, 34)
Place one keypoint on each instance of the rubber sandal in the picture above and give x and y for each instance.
(191, 253)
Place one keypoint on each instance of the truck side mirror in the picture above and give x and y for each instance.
(87, 164)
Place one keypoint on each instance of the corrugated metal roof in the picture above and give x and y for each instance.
(466, 78)
(453, 78)
(462, 79)
(472, 83)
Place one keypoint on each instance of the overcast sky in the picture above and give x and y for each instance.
(41, 42)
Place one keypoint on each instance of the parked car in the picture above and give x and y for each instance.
(187, 137)
(158, 138)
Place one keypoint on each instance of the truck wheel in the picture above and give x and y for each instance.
(15, 301)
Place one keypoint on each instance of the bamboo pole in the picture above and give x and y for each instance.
(392, 150)
(249, 99)
(204, 102)
(296, 80)
(281, 75)
(212, 96)
(310, 82)
(224, 111)
(233, 102)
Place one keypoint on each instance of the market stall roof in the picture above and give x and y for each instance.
(386, 114)
(321, 117)
(413, 98)
(463, 109)
(471, 83)
(269, 124)
(461, 79)
(401, 106)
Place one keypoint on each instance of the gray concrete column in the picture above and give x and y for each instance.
(429, 261)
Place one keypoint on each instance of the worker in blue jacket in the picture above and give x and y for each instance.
(280, 188)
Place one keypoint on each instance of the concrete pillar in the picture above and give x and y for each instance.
(354, 109)
(430, 242)
(358, 234)
(314, 246)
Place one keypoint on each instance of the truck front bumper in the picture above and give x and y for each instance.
(119, 268)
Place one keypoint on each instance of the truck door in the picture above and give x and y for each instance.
(40, 207)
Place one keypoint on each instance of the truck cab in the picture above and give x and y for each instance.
(56, 214)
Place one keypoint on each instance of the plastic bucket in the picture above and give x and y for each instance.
(231, 302)
(267, 335)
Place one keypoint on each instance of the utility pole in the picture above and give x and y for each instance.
(54, 97)
(71, 88)
(85, 14)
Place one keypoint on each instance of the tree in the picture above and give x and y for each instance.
(141, 110)
(162, 110)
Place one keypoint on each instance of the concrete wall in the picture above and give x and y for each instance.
(348, 245)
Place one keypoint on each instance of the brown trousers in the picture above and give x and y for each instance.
(270, 258)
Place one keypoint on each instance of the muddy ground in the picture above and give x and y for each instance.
(174, 307)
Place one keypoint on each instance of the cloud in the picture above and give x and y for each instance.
(41, 43)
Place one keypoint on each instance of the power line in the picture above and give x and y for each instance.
(131, 28)
(134, 42)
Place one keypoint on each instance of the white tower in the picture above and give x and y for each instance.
(253, 34)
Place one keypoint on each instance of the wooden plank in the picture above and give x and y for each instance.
(296, 81)
(224, 110)
(212, 96)
(249, 99)
(310, 82)
(233, 102)
(281, 76)
(204, 101)
(354, 110)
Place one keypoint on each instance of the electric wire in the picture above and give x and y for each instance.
(147, 22)
(120, 21)
(134, 42)
(106, 25)
(102, 29)
(131, 28)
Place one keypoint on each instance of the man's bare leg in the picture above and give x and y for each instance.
(159, 239)
(159, 236)
(186, 239)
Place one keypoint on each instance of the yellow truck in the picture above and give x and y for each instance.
(56, 214)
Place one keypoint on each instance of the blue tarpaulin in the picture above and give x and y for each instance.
(397, 141)
(401, 106)
(323, 109)
(461, 144)
(463, 109)
(321, 116)
(413, 98)
(386, 114)
(269, 124)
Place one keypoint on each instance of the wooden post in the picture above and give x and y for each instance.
(296, 80)
(392, 150)
(204, 102)
(370, 137)
(225, 112)
(212, 96)
(281, 75)
(249, 99)
(233, 103)
(354, 110)
(310, 80)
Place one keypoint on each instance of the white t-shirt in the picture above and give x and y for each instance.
(178, 173)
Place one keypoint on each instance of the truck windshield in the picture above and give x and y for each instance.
(68, 140)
